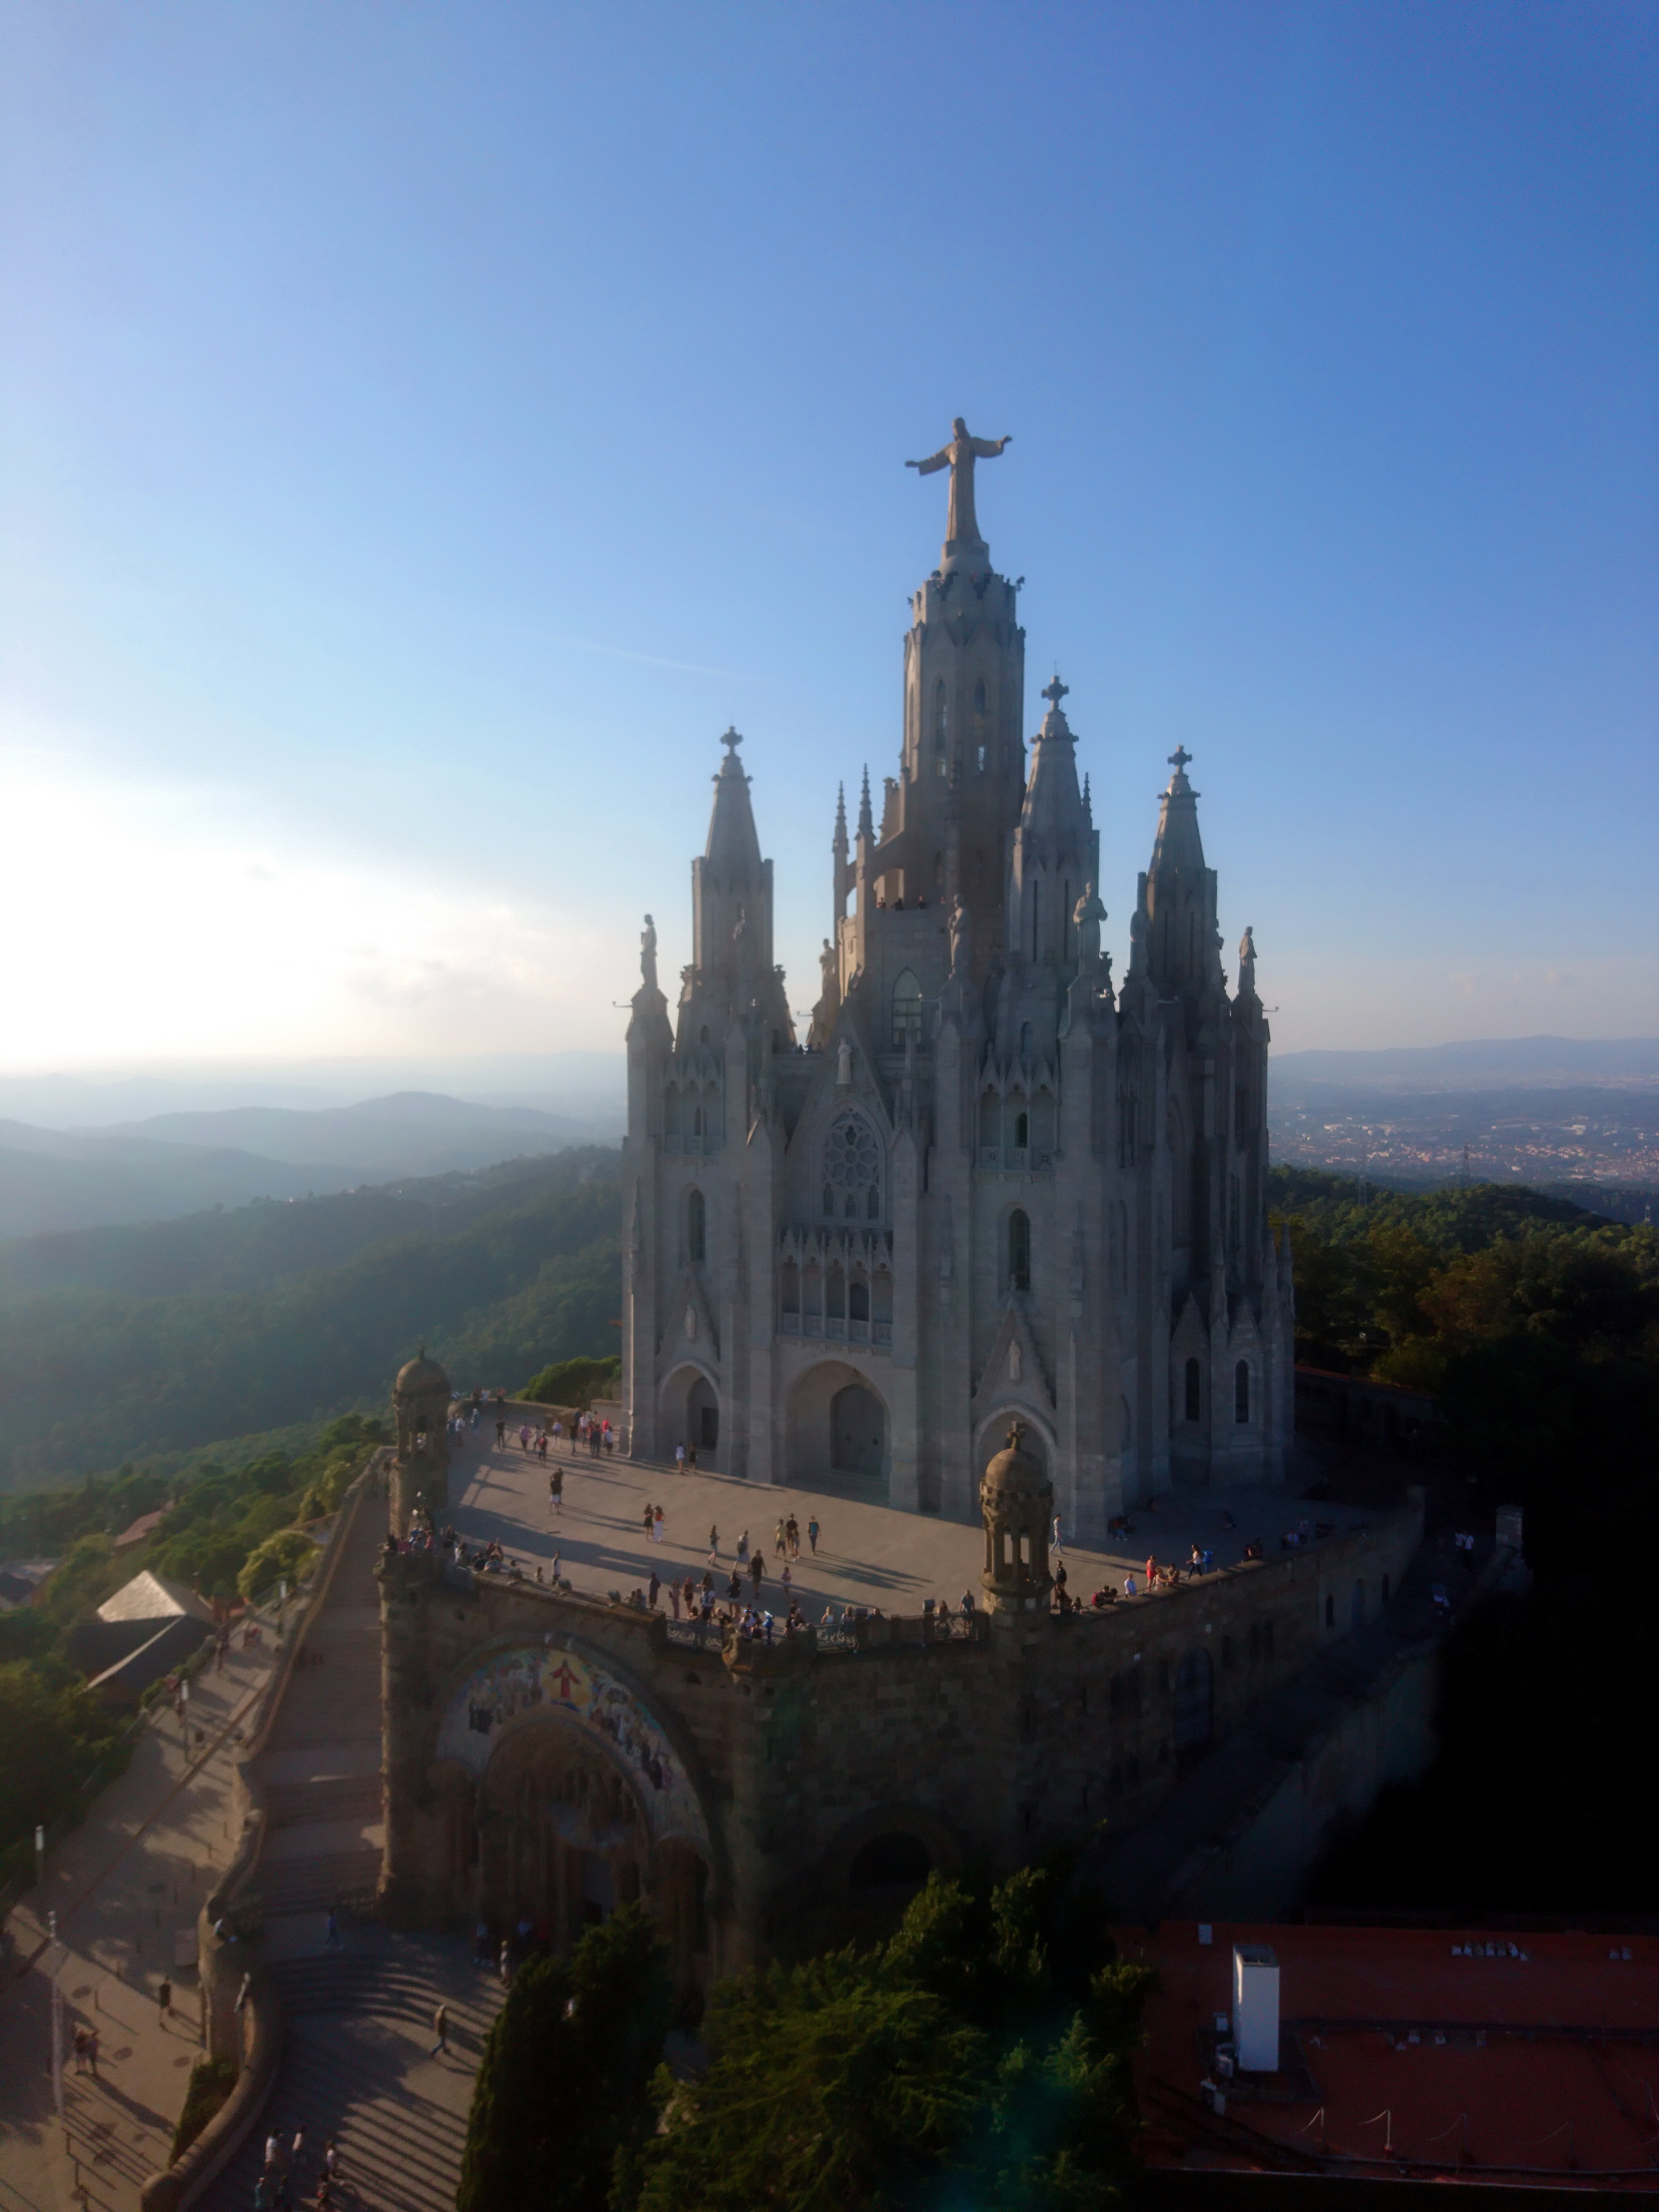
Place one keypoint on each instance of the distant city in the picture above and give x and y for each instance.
(1548, 1111)
(1599, 1136)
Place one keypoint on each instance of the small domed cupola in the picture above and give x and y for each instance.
(1016, 1499)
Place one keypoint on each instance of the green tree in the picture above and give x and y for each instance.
(564, 2088)
(54, 1732)
(979, 2057)
(833, 2085)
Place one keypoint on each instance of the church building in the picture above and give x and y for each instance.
(987, 1185)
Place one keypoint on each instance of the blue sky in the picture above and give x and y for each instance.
(423, 429)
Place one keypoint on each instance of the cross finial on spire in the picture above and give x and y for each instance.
(732, 740)
(1179, 758)
(1054, 692)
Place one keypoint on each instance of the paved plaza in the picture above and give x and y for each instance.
(868, 1554)
(124, 1885)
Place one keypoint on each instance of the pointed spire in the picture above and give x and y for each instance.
(1052, 801)
(1088, 801)
(1183, 947)
(734, 845)
(1177, 842)
(866, 819)
(841, 818)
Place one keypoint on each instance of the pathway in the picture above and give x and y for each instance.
(124, 1885)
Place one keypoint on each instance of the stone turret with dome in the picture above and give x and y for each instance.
(1017, 1502)
(420, 1412)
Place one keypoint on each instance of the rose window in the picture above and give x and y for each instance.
(852, 1173)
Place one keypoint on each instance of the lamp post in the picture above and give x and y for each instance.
(184, 1714)
(281, 1608)
(57, 2015)
(39, 1854)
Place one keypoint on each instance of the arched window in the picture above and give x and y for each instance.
(907, 1011)
(697, 1125)
(1022, 1131)
(1194, 1387)
(852, 1170)
(1242, 1391)
(1019, 1250)
(696, 1227)
(858, 1299)
(1194, 1702)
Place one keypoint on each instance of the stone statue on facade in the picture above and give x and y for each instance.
(1247, 961)
(957, 925)
(843, 1066)
(1086, 917)
(649, 954)
(962, 524)
(828, 974)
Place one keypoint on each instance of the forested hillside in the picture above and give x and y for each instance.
(1537, 1327)
(1536, 1324)
(117, 1343)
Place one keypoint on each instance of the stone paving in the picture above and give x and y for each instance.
(123, 1885)
(868, 1554)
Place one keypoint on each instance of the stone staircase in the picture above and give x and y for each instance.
(357, 2032)
(319, 1769)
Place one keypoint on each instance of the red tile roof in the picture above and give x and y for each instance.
(1542, 2064)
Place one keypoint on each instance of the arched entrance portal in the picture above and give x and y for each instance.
(1195, 1709)
(858, 1433)
(561, 1840)
(838, 1429)
(690, 1415)
(703, 1420)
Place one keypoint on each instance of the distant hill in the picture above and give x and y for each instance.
(124, 1341)
(412, 1133)
(1529, 1062)
(51, 1181)
(176, 1164)
(590, 1087)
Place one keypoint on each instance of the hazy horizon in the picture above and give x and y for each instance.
(424, 433)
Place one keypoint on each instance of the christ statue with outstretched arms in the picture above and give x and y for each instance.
(959, 456)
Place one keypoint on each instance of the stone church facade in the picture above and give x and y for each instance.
(987, 1184)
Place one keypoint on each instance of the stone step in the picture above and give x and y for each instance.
(317, 1885)
(338, 1983)
(400, 2150)
(337, 1798)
